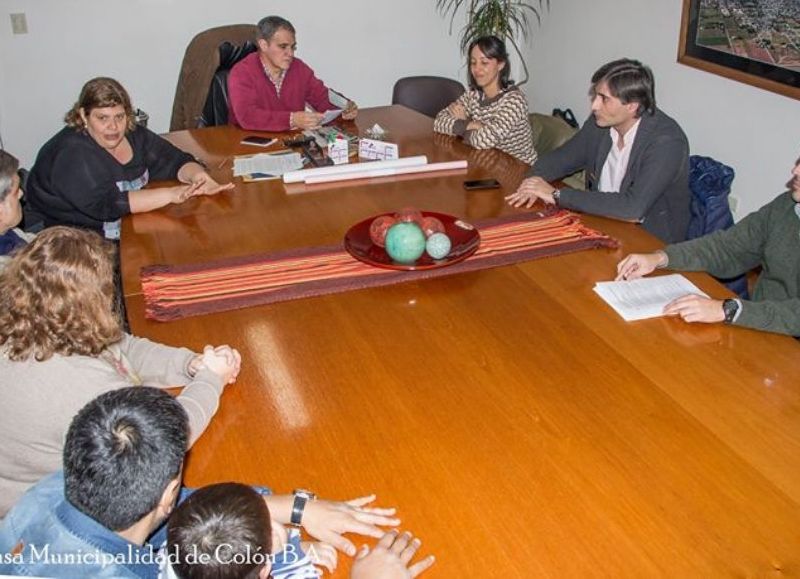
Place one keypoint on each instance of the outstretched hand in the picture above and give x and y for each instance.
(327, 521)
(531, 190)
(390, 558)
(204, 184)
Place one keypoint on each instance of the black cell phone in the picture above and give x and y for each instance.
(482, 184)
(258, 141)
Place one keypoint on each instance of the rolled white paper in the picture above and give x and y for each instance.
(387, 171)
(305, 174)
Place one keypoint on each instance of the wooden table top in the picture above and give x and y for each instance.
(521, 427)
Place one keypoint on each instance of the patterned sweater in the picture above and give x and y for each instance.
(504, 119)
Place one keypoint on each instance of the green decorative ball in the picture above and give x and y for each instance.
(405, 242)
(438, 246)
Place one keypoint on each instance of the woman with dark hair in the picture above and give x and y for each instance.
(61, 345)
(92, 172)
(494, 112)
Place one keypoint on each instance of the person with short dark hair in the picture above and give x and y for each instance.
(225, 531)
(93, 172)
(103, 515)
(123, 457)
(62, 344)
(11, 238)
(268, 89)
(767, 238)
(228, 525)
(636, 158)
(493, 114)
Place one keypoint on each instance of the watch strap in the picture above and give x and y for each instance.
(298, 507)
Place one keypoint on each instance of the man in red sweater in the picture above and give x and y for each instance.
(268, 89)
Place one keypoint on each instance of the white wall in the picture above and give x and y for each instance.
(754, 131)
(358, 46)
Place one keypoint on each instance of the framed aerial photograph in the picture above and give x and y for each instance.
(753, 41)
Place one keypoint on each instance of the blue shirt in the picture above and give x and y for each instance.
(45, 535)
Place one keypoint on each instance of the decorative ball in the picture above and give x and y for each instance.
(438, 245)
(379, 227)
(409, 214)
(405, 242)
(431, 225)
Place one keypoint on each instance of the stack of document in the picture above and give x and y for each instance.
(266, 165)
(645, 298)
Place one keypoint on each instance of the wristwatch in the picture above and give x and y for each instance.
(556, 195)
(730, 308)
(301, 497)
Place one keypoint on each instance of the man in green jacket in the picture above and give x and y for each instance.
(769, 238)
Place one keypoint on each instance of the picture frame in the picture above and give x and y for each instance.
(737, 40)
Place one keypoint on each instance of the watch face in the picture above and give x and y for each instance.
(729, 308)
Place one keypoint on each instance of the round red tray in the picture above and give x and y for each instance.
(464, 237)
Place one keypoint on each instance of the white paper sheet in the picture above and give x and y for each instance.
(338, 99)
(267, 163)
(646, 297)
(330, 115)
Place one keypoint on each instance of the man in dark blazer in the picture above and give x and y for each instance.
(636, 158)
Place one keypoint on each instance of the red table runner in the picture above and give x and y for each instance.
(180, 291)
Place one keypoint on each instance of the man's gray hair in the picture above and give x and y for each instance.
(9, 165)
(267, 27)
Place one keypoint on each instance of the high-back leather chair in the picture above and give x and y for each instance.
(215, 110)
(200, 63)
(426, 94)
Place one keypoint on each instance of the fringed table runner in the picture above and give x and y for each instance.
(175, 292)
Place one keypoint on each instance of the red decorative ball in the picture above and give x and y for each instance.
(409, 215)
(431, 225)
(379, 227)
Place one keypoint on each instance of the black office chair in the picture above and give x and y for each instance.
(215, 110)
(426, 94)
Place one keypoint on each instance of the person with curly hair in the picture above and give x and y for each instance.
(61, 345)
(93, 172)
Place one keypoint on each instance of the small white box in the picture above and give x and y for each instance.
(337, 151)
(378, 150)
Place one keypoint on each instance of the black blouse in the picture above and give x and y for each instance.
(77, 182)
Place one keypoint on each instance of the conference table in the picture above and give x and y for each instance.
(519, 425)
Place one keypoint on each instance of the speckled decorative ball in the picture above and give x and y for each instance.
(431, 225)
(438, 245)
(409, 214)
(405, 242)
(378, 228)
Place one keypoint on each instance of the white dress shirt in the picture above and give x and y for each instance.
(617, 160)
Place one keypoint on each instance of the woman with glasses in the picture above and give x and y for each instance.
(93, 171)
